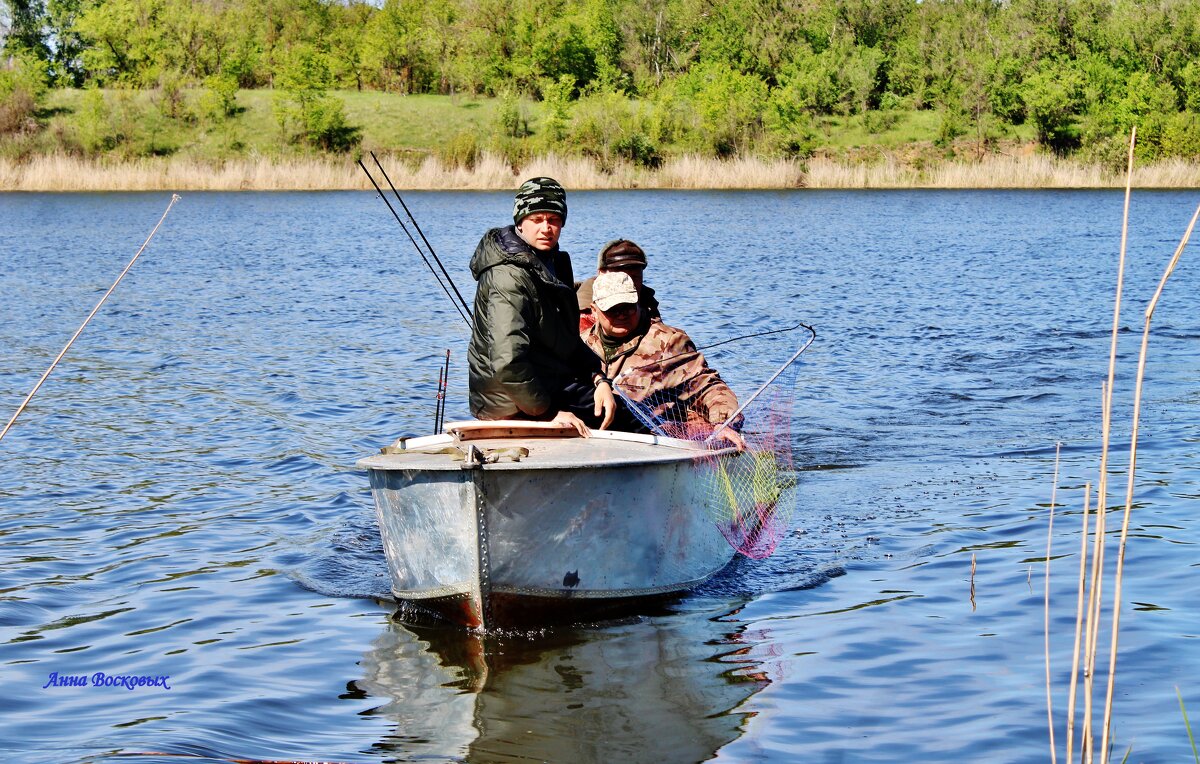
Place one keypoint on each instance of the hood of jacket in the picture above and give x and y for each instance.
(501, 246)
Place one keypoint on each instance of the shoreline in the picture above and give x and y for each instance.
(61, 173)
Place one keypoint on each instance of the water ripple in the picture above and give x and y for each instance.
(180, 498)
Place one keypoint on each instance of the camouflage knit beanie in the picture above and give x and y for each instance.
(540, 195)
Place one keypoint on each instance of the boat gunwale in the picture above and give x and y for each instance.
(678, 450)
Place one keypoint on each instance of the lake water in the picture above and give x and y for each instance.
(181, 500)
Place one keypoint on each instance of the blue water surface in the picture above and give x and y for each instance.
(180, 499)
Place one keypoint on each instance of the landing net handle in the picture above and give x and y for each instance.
(765, 385)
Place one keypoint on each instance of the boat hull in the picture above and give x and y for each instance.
(499, 545)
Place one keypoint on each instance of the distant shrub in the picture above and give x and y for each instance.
(556, 98)
(462, 150)
(790, 130)
(598, 123)
(638, 149)
(1190, 86)
(304, 103)
(1110, 152)
(511, 121)
(124, 125)
(953, 126)
(729, 106)
(891, 101)
(22, 86)
(1181, 136)
(218, 98)
(880, 121)
(170, 95)
(326, 126)
(92, 125)
(1054, 97)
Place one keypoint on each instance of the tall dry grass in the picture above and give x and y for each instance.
(491, 172)
(1092, 588)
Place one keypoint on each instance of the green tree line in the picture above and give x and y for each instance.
(628, 78)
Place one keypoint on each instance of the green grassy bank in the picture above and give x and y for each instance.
(130, 139)
(129, 124)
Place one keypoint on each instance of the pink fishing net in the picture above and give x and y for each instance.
(748, 492)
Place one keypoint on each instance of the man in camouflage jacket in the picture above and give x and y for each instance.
(656, 365)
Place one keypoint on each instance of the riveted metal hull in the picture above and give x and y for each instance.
(553, 537)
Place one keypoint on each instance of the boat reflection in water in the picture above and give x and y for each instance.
(659, 688)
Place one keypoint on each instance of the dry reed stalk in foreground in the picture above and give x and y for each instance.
(1105, 438)
(1049, 538)
(90, 316)
(1137, 404)
(1106, 417)
(971, 596)
(1083, 557)
(1091, 631)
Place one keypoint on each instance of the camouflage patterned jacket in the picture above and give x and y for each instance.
(661, 368)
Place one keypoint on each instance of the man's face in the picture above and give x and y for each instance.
(634, 272)
(619, 321)
(541, 229)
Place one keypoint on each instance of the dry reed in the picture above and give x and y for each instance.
(90, 316)
(1106, 425)
(972, 593)
(1083, 559)
(1046, 619)
(1091, 631)
(1137, 404)
(1090, 588)
(492, 172)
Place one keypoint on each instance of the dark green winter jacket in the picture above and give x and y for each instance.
(525, 346)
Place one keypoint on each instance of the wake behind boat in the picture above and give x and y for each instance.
(513, 523)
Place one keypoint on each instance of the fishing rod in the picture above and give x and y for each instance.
(445, 386)
(417, 226)
(437, 405)
(462, 309)
(63, 352)
(439, 411)
(765, 385)
(661, 361)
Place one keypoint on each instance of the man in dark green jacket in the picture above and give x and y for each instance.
(526, 358)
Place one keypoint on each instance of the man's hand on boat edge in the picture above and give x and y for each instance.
(734, 437)
(566, 417)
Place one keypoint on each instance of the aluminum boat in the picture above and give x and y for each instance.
(512, 523)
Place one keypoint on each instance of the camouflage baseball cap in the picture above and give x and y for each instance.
(610, 289)
(540, 195)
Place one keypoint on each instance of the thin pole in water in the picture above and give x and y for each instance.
(63, 352)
